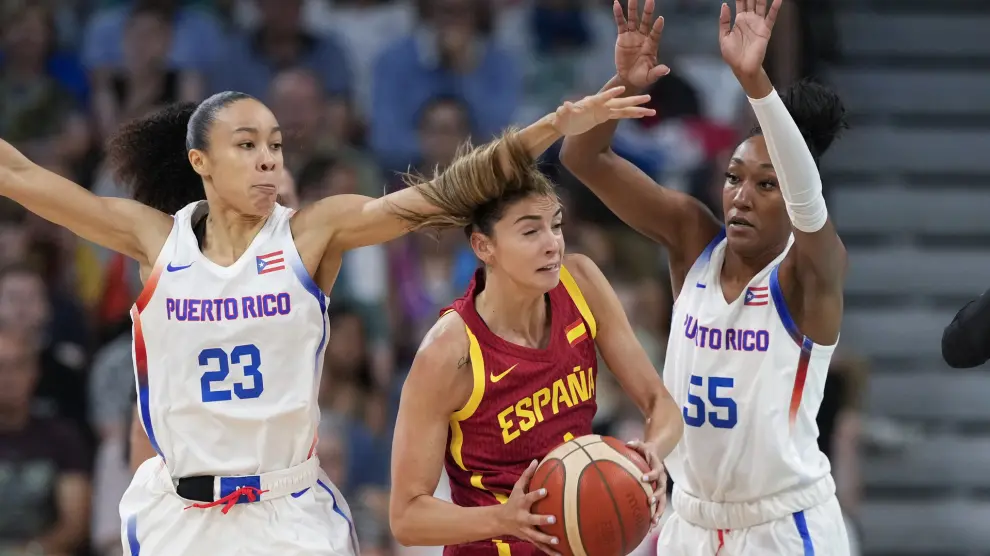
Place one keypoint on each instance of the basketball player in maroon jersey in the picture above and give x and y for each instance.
(509, 372)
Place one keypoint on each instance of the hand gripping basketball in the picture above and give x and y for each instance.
(517, 519)
(657, 477)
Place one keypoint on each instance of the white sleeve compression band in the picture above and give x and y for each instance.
(800, 182)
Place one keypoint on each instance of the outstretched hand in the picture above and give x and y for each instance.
(575, 118)
(744, 42)
(637, 43)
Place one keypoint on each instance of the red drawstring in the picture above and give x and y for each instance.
(231, 499)
(721, 540)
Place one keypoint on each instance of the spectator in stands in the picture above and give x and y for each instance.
(288, 194)
(563, 48)
(15, 238)
(26, 306)
(316, 127)
(369, 503)
(451, 52)
(111, 392)
(324, 176)
(144, 82)
(196, 45)
(26, 241)
(430, 269)
(44, 463)
(111, 387)
(966, 340)
(253, 58)
(353, 407)
(349, 391)
(366, 28)
(444, 125)
(38, 110)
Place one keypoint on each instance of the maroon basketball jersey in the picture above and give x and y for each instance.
(525, 402)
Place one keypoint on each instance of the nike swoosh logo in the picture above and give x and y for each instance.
(171, 268)
(496, 378)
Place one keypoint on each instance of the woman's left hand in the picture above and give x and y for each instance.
(744, 41)
(575, 118)
(657, 476)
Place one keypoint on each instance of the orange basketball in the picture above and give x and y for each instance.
(594, 489)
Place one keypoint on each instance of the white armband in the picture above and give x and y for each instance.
(800, 182)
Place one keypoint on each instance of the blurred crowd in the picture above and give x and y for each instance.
(363, 89)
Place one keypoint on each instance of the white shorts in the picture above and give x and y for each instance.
(154, 522)
(819, 531)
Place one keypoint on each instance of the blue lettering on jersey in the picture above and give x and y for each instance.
(731, 339)
(228, 308)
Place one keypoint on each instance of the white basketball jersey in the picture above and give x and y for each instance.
(228, 359)
(749, 385)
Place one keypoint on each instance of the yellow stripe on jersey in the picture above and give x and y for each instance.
(578, 298)
(503, 548)
(476, 483)
(477, 393)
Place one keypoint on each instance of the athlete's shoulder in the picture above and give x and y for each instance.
(589, 280)
(446, 344)
(438, 369)
(580, 267)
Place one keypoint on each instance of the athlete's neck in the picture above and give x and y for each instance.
(228, 234)
(739, 268)
(513, 314)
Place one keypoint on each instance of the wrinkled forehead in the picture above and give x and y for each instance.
(542, 206)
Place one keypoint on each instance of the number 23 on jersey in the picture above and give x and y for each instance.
(218, 362)
(711, 402)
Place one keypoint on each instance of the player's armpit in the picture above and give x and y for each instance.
(436, 387)
(625, 356)
(820, 259)
(122, 225)
(814, 295)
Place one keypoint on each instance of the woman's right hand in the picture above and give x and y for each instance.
(575, 118)
(519, 522)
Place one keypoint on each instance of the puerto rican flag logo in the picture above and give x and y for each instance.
(270, 262)
(758, 296)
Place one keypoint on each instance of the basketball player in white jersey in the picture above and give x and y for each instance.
(758, 305)
(230, 329)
